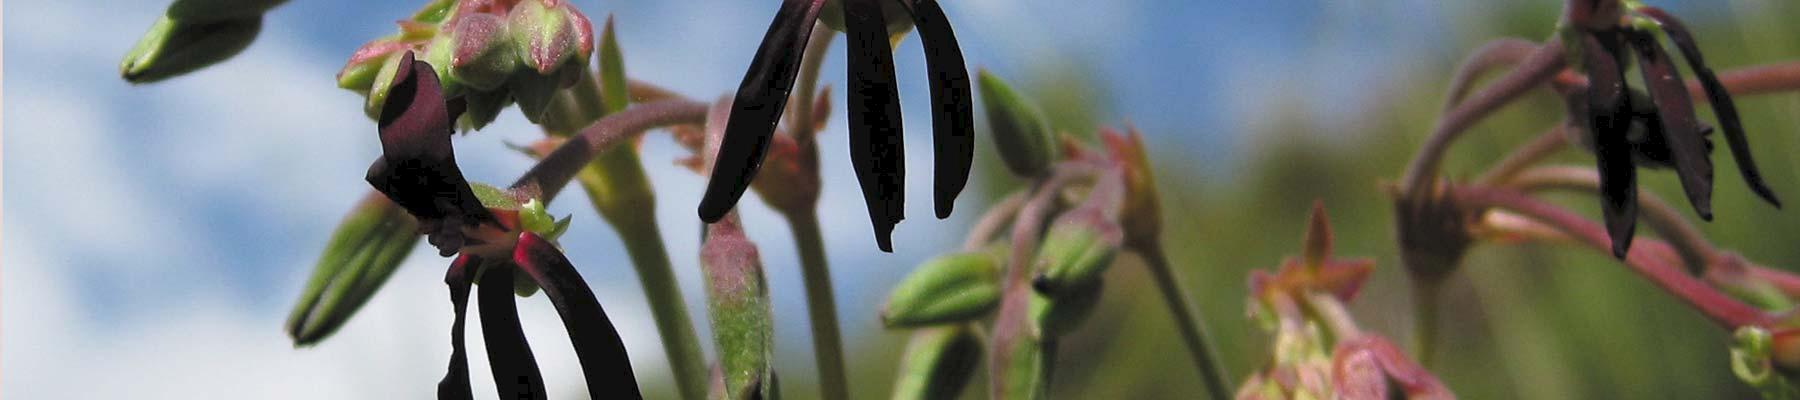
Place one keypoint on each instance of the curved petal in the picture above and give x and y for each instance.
(1680, 128)
(456, 381)
(417, 169)
(597, 344)
(874, 107)
(1722, 105)
(515, 371)
(953, 107)
(1609, 121)
(758, 106)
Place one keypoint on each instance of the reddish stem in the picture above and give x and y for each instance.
(1644, 260)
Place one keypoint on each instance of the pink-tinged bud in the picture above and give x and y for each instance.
(360, 72)
(546, 35)
(482, 57)
(1362, 367)
(1142, 213)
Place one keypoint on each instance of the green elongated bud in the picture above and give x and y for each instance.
(1056, 316)
(1079, 246)
(174, 47)
(361, 255)
(948, 289)
(938, 363)
(219, 10)
(738, 306)
(483, 57)
(1020, 133)
(378, 90)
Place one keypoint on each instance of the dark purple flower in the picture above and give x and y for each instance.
(418, 171)
(1628, 128)
(875, 136)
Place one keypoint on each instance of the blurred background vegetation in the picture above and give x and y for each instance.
(1531, 321)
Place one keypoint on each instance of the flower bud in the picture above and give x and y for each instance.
(1079, 246)
(938, 363)
(482, 57)
(174, 47)
(534, 93)
(219, 10)
(359, 74)
(1056, 316)
(547, 35)
(738, 305)
(1020, 133)
(483, 107)
(362, 253)
(950, 288)
(378, 89)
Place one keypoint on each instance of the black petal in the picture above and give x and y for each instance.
(953, 107)
(456, 381)
(758, 106)
(875, 135)
(1675, 111)
(417, 169)
(601, 352)
(1609, 121)
(1722, 105)
(515, 371)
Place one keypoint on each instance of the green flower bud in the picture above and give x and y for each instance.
(738, 305)
(483, 107)
(938, 363)
(534, 93)
(950, 288)
(482, 58)
(1079, 246)
(360, 256)
(219, 10)
(545, 37)
(1020, 133)
(378, 90)
(1056, 316)
(174, 47)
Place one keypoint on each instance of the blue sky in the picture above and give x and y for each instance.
(157, 234)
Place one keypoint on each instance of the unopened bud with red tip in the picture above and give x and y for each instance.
(948, 289)
(174, 47)
(549, 33)
(481, 56)
(738, 304)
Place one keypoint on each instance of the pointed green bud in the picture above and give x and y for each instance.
(950, 288)
(738, 305)
(614, 93)
(360, 256)
(483, 57)
(1079, 246)
(173, 47)
(546, 35)
(1056, 316)
(1020, 133)
(219, 10)
(938, 363)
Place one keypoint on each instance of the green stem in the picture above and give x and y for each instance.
(618, 188)
(1187, 320)
(1425, 320)
(821, 307)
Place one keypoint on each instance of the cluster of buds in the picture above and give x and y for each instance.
(487, 53)
(1298, 304)
(194, 34)
(1042, 279)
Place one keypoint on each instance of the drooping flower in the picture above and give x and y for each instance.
(499, 237)
(875, 135)
(1627, 129)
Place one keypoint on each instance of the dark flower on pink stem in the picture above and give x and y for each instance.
(1628, 130)
(497, 246)
(876, 151)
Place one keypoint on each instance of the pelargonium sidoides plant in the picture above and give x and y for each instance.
(1033, 265)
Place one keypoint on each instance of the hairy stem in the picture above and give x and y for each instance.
(557, 168)
(821, 306)
(1695, 250)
